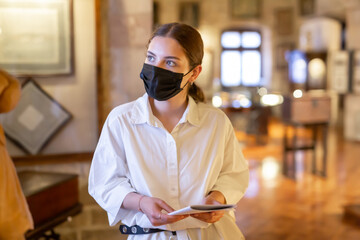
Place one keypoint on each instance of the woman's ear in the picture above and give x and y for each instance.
(195, 73)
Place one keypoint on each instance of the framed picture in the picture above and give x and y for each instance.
(245, 8)
(339, 71)
(282, 51)
(189, 13)
(352, 117)
(36, 37)
(307, 7)
(35, 120)
(356, 72)
(284, 21)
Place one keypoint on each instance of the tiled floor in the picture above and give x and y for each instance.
(310, 207)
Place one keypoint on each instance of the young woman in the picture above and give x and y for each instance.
(168, 150)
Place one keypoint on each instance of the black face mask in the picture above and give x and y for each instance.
(161, 84)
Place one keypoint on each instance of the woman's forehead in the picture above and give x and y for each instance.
(166, 46)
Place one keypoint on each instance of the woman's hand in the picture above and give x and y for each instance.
(214, 198)
(152, 208)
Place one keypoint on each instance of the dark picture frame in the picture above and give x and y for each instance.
(245, 8)
(284, 21)
(189, 13)
(37, 37)
(35, 120)
(282, 49)
(307, 7)
(339, 64)
(355, 65)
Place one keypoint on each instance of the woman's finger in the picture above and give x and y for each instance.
(209, 217)
(163, 219)
(164, 206)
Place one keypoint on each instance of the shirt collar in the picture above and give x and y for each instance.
(191, 113)
(141, 112)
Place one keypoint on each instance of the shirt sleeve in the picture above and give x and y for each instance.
(233, 179)
(108, 181)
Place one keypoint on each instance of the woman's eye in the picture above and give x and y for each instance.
(150, 58)
(171, 63)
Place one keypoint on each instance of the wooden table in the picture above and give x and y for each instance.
(52, 199)
(289, 165)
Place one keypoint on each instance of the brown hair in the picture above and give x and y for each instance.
(190, 40)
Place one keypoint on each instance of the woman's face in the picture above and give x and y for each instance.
(167, 53)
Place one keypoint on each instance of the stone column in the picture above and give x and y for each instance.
(126, 25)
(130, 24)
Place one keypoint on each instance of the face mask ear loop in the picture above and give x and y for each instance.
(184, 85)
(189, 72)
(187, 81)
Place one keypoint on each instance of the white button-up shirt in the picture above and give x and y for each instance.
(135, 153)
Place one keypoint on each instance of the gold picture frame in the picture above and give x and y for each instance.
(284, 21)
(245, 8)
(307, 7)
(189, 13)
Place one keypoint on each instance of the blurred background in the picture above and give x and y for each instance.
(286, 72)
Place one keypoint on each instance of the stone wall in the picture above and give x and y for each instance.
(126, 28)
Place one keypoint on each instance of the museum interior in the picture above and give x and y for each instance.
(273, 66)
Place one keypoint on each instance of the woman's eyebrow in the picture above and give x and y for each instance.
(167, 57)
(151, 53)
(172, 57)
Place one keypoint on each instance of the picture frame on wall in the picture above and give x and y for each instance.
(307, 7)
(284, 21)
(189, 13)
(352, 117)
(356, 72)
(282, 50)
(245, 8)
(339, 71)
(36, 37)
(35, 120)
